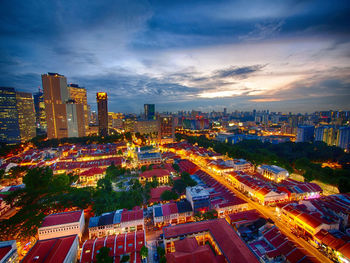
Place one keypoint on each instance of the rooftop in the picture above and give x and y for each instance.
(155, 172)
(188, 250)
(62, 218)
(50, 250)
(231, 245)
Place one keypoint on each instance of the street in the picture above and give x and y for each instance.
(269, 213)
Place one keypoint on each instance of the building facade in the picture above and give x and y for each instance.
(62, 224)
(78, 95)
(166, 131)
(199, 198)
(9, 127)
(102, 109)
(305, 133)
(64, 116)
(150, 111)
(344, 138)
(26, 115)
(40, 114)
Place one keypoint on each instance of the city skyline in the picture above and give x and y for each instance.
(208, 55)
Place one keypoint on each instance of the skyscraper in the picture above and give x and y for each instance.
(344, 138)
(166, 132)
(9, 128)
(305, 133)
(102, 109)
(61, 111)
(26, 115)
(78, 96)
(149, 111)
(40, 115)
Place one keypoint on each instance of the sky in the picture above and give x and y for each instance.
(290, 55)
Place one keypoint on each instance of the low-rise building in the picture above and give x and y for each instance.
(54, 250)
(91, 176)
(273, 172)
(199, 198)
(234, 206)
(308, 222)
(62, 224)
(117, 222)
(147, 158)
(8, 252)
(172, 213)
(122, 244)
(226, 243)
(240, 165)
(161, 175)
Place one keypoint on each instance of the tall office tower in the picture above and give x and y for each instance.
(9, 128)
(26, 115)
(102, 110)
(40, 115)
(61, 111)
(344, 138)
(78, 96)
(166, 131)
(305, 133)
(149, 111)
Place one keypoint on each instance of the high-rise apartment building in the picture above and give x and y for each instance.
(149, 111)
(327, 134)
(305, 133)
(166, 131)
(62, 113)
(26, 115)
(79, 97)
(40, 115)
(344, 138)
(102, 109)
(9, 127)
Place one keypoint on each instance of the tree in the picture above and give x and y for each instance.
(168, 195)
(176, 167)
(143, 168)
(187, 179)
(103, 255)
(38, 179)
(179, 186)
(104, 184)
(161, 252)
(144, 252)
(125, 258)
(128, 136)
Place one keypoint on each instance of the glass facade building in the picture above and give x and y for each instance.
(9, 127)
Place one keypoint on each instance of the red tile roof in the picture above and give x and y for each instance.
(93, 171)
(4, 251)
(62, 218)
(155, 172)
(157, 192)
(120, 244)
(132, 215)
(50, 250)
(231, 245)
(244, 217)
(188, 251)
